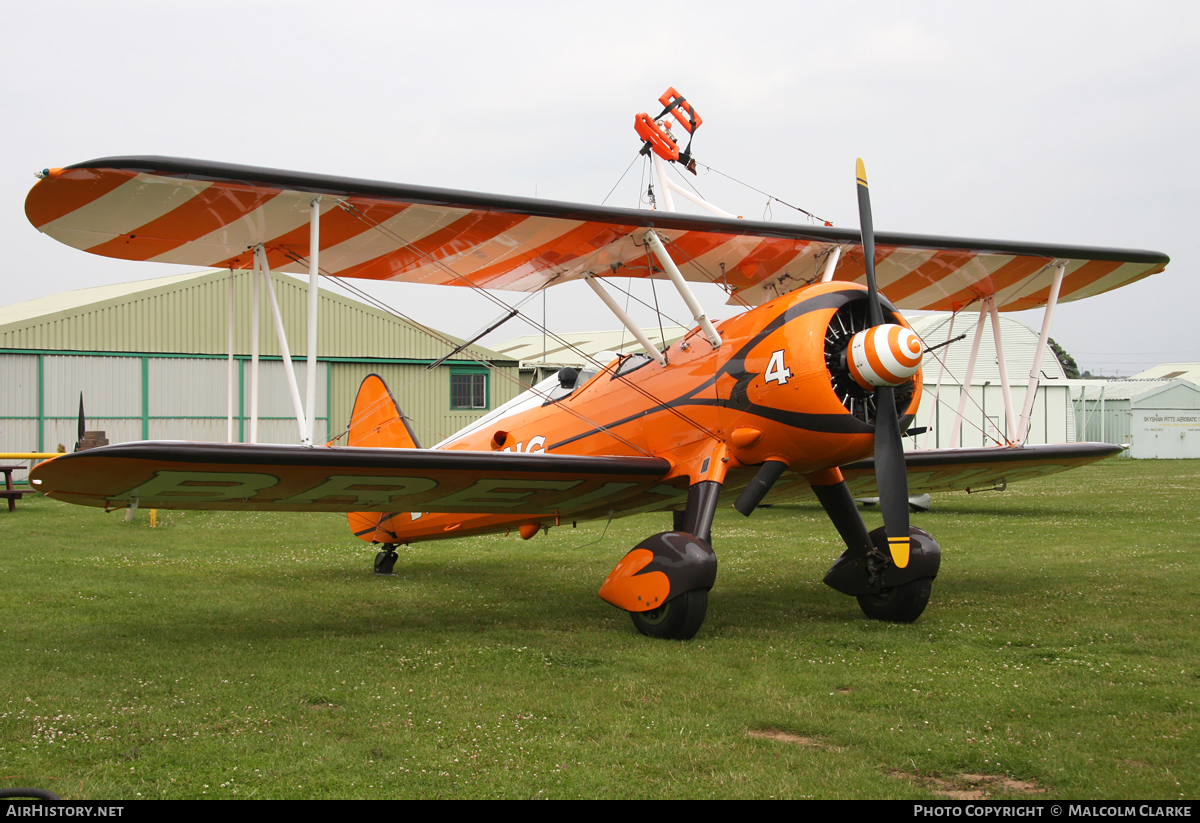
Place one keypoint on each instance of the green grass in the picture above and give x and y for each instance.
(225, 655)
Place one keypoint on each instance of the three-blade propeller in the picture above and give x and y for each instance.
(890, 474)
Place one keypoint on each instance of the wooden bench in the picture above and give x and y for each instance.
(12, 495)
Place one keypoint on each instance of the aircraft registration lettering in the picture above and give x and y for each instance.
(198, 487)
(504, 493)
(536, 444)
(362, 490)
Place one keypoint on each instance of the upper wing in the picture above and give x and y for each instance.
(242, 477)
(211, 214)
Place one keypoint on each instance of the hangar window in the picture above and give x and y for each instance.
(468, 389)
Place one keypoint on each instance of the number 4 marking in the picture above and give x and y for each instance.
(776, 370)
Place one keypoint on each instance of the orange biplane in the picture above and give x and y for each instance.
(806, 393)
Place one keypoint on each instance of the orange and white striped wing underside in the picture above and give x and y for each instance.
(212, 215)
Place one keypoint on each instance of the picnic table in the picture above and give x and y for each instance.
(9, 492)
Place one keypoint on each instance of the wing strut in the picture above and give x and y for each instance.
(931, 422)
(831, 262)
(660, 168)
(308, 431)
(1035, 372)
(965, 386)
(633, 327)
(260, 262)
(229, 378)
(254, 348)
(660, 251)
(1010, 425)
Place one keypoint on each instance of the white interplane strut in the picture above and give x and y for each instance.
(966, 382)
(1035, 373)
(229, 376)
(308, 433)
(260, 258)
(932, 421)
(255, 311)
(1010, 425)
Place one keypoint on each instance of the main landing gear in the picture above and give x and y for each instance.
(866, 569)
(663, 582)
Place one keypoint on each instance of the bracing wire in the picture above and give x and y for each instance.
(954, 379)
(466, 281)
(768, 195)
(482, 361)
(622, 177)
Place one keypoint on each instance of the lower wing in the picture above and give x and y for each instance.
(941, 470)
(242, 477)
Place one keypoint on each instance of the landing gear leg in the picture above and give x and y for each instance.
(701, 508)
(386, 559)
(866, 570)
(663, 583)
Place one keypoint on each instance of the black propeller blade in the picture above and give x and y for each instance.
(890, 474)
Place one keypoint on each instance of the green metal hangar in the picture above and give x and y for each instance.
(152, 359)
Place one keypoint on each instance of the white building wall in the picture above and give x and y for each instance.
(1164, 433)
(1051, 421)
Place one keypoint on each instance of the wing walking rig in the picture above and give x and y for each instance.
(806, 393)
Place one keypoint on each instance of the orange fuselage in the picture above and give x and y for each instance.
(764, 394)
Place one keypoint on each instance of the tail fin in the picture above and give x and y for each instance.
(377, 422)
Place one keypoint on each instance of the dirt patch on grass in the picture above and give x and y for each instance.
(795, 739)
(972, 786)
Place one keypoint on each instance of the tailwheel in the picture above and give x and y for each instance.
(898, 604)
(677, 619)
(386, 559)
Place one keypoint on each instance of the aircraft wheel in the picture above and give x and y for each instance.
(386, 559)
(678, 619)
(899, 604)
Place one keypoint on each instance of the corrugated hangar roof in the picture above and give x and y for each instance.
(188, 313)
(1169, 371)
(19, 313)
(529, 348)
(1123, 389)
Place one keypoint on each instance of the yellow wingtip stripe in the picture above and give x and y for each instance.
(861, 171)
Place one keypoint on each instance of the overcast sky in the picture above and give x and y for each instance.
(1060, 122)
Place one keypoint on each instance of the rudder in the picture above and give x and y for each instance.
(377, 422)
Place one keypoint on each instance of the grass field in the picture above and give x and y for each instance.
(224, 655)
